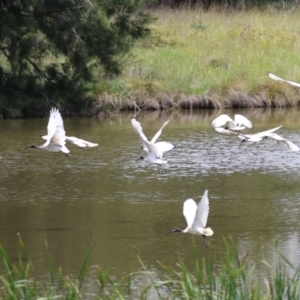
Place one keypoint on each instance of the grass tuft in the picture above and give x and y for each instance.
(213, 59)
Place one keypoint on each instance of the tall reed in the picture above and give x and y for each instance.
(234, 277)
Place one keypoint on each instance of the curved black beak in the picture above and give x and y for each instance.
(174, 230)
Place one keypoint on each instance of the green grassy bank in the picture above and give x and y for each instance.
(213, 59)
(234, 278)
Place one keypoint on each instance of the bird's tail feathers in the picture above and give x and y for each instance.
(208, 231)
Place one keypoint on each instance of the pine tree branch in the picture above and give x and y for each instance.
(3, 50)
(39, 14)
(46, 77)
(38, 70)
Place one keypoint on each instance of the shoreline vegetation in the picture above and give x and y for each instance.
(186, 57)
(151, 55)
(234, 277)
(213, 59)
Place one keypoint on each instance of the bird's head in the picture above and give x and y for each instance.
(141, 157)
(31, 146)
(242, 141)
(175, 230)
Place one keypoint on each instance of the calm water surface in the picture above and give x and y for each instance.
(102, 197)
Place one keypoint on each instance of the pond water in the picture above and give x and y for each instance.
(102, 197)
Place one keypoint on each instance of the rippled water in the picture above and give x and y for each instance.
(102, 197)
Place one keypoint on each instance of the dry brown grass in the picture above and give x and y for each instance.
(233, 99)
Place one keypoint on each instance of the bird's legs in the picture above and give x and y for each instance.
(205, 240)
(243, 141)
(159, 168)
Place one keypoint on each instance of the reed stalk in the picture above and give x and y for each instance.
(234, 277)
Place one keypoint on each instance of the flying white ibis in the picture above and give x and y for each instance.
(196, 218)
(56, 134)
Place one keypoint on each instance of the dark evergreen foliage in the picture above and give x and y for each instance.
(53, 51)
(222, 4)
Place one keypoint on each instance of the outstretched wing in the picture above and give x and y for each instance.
(79, 142)
(55, 129)
(154, 150)
(274, 77)
(139, 131)
(189, 211)
(290, 145)
(158, 133)
(266, 132)
(240, 120)
(55, 120)
(221, 121)
(202, 211)
(164, 146)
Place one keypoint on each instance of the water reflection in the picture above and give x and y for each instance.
(103, 197)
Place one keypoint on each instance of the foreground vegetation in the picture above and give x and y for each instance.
(235, 278)
(210, 59)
